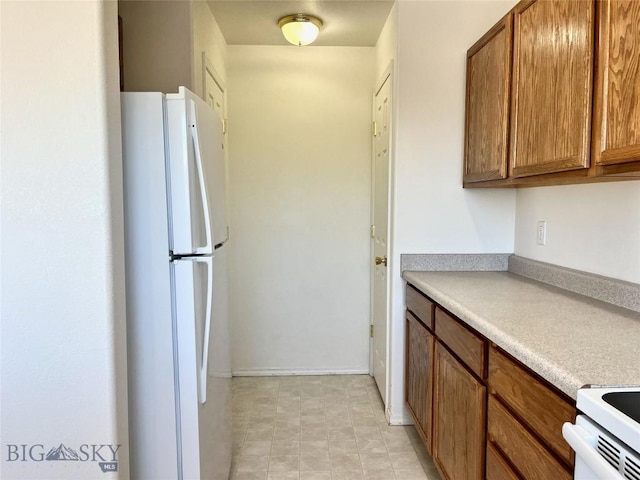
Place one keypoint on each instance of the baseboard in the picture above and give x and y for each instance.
(267, 372)
(402, 419)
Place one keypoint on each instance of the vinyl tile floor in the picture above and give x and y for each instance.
(320, 428)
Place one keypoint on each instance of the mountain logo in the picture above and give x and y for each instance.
(105, 455)
(62, 453)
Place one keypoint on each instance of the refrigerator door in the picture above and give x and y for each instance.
(203, 397)
(197, 175)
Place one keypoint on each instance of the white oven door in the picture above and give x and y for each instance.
(599, 455)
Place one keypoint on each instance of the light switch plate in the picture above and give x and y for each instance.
(542, 233)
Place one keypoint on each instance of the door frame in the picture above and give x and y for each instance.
(387, 75)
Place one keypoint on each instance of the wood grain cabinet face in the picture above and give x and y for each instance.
(420, 306)
(459, 419)
(469, 347)
(616, 130)
(497, 467)
(506, 431)
(552, 86)
(541, 409)
(419, 377)
(532, 459)
(487, 109)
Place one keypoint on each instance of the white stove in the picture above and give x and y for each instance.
(606, 437)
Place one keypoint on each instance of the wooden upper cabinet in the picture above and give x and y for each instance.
(616, 127)
(487, 108)
(552, 86)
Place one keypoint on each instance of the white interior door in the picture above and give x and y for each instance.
(379, 233)
(213, 87)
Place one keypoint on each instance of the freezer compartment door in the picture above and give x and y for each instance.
(197, 175)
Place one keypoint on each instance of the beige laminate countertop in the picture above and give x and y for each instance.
(568, 339)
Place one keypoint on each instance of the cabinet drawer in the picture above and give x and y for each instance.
(537, 405)
(524, 451)
(497, 466)
(468, 346)
(420, 306)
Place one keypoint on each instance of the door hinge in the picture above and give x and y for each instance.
(224, 125)
(371, 331)
(372, 231)
(375, 129)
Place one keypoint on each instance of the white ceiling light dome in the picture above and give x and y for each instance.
(300, 29)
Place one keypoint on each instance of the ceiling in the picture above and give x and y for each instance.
(346, 22)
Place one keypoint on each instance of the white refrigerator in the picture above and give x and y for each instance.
(176, 234)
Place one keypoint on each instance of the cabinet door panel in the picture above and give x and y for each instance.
(487, 111)
(459, 419)
(419, 377)
(617, 95)
(551, 102)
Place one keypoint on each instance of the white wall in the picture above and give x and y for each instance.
(432, 213)
(158, 46)
(62, 278)
(300, 154)
(387, 44)
(595, 228)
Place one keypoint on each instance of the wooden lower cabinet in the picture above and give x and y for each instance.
(459, 419)
(532, 402)
(480, 412)
(525, 452)
(418, 384)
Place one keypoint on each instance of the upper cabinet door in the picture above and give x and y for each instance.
(487, 109)
(616, 135)
(552, 86)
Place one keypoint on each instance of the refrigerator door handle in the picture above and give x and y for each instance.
(204, 368)
(208, 248)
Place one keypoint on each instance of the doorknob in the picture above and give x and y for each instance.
(381, 261)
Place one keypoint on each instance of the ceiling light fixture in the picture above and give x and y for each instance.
(300, 29)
